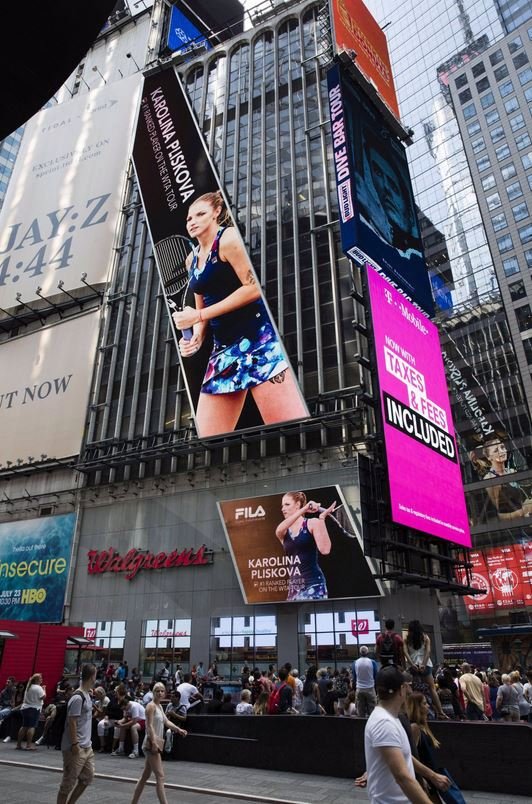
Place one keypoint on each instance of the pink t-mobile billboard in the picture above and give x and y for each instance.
(424, 472)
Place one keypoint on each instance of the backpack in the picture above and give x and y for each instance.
(57, 729)
(274, 700)
(387, 651)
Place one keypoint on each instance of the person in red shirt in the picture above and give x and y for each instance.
(390, 647)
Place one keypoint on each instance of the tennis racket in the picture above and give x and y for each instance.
(172, 253)
(341, 518)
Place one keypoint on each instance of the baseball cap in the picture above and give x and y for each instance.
(391, 679)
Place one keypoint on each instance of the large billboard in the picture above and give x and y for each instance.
(34, 564)
(298, 546)
(424, 472)
(58, 221)
(378, 220)
(236, 370)
(505, 575)
(183, 36)
(45, 381)
(358, 34)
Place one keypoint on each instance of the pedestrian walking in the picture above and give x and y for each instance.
(76, 744)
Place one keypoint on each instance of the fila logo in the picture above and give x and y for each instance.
(249, 513)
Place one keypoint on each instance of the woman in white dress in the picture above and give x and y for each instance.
(156, 723)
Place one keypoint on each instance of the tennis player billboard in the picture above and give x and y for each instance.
(34, 564)
(358, 34)
(297, 546)
(235, 367)
(424, 472)
(378, 221)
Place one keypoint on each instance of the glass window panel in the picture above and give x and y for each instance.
(506, 89)
(473, 128)
(522, 141)
(478, 69)
(483, 84)
(492, 117)
(528, 257)
(505, 243)
(510, 266)
(489, 182)
(497, 134)
(520, 60)
(525, 76)
(499, 222)
(517, 122)
(487, 100)
(527, 343)
(520, 212)
(514, 190)
(483, 163)
(465, 96)
(526, 159)
(508, 171)
(524, 317)
(529, 177)
(501, 72)
(493, 201)
(478, 145)
(502, 152)
(460, 81)
(515, 44)
(525, 234)
(496, 57)
(517, 290)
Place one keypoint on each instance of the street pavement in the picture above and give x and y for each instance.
(33, 778)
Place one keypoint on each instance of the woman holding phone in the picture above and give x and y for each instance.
(247, 355)
(156, 723)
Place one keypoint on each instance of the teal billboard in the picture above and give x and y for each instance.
(34, 564)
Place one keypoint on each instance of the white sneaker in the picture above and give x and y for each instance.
(133, 755)
(39, 741)
(7, 739)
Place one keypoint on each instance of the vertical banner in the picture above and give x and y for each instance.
(34, 564)
(358, 34)
(426, 487)
(61, 209)
(236, 370)
(297, 546)
(378, 220)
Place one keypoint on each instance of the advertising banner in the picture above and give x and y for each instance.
(358, 34)
(378, 221)
(297, 546)
(505, 573)
(59, 217)
(45, 381)
(227, 341)
(424, 472)
(34, 564)
(183, 35)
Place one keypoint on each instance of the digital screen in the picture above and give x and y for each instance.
(424, 472)
(183, 35)
(505, 573)
(297, 546)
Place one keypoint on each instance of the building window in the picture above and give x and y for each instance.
(511, 105)
(496, 57)
(517, 290)
(517, 122)
(528, 257)
(483, 163)
(460, 81)
(525, 76)
(510, 266)
(501, 72)
(483, 85)
(493, 201)
(333, 638)
(515, 44)
(528, 95)
(497, 134)
(492, 117)
(520, 60)
(109, 637)
(243, 641)
(164, 641)
(499, 222)
(506, 89)
(505, 243)
(478, 145)
(524, 317)
(465, 96)
(529, 177)
(527, 344)
(469, 111)
(502, 152)
(488, 183)
(522, 141)
(487, 100)
(478, 69)
(520, 212)
(526, 159)
(473, 128)
(508, 171)
(525, 234)
(514, 190)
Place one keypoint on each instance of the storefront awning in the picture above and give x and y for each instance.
(505, 630)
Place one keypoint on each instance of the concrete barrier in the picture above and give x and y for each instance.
(491, 757)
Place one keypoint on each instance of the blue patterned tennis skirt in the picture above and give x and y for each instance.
(244, 364)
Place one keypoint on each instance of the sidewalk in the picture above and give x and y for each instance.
(31, 771)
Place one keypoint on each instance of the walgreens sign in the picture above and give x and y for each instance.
(134, 560)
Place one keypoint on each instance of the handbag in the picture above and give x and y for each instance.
(158, 744)
(453, 795)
